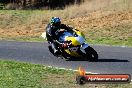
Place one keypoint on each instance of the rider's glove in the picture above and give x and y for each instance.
(76, 29)
(64, 45)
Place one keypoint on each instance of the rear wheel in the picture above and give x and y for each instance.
(91, 54)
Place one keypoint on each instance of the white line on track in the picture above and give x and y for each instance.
(70, 69)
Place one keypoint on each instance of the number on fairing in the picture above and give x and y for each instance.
(73, 49)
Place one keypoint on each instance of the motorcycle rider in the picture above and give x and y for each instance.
(53, 30)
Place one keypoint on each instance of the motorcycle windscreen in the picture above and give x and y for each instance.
(63, 36)
(76, 40)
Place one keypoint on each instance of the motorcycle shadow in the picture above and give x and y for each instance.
(99, 60)
(112, 60)
(77, 59)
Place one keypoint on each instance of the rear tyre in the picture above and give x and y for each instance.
(92, 55)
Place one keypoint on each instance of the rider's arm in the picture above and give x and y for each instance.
(66, 27)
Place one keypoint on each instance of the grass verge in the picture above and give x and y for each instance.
(25, 75)
(100, 40)
(25, 39)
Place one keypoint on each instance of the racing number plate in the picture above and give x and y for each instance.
(74, 49)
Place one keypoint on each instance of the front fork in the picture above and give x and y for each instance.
(83, 47)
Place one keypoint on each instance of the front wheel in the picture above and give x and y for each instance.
(61, 55)
(91, 54)
(50, 49)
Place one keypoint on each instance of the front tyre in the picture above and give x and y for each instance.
(92, 55)
(50, 49)
(61, 55)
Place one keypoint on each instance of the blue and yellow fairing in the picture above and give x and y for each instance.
(76, 39)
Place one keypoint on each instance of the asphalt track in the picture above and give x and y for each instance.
(117, 60)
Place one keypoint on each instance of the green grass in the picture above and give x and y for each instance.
(28, 39)
(100, 40)
(119, 35)
(110, 41)
(24, 39)
(26, 75)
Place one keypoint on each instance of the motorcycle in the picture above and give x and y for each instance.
(73, 45)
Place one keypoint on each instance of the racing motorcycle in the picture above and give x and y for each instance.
(73, 45)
